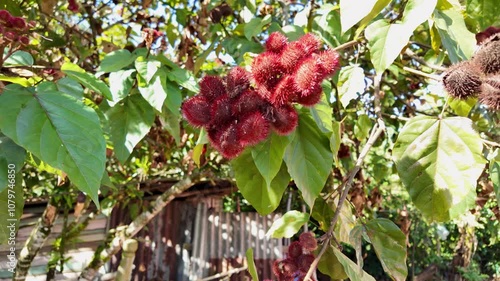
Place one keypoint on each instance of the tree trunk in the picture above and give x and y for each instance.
(35, 241)
(107, 250)
(464, 251)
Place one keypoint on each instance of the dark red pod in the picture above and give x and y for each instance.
(267, 70)
(237, 81)
(221, 111)
(212, 87)
(196, 110)
(291, 55)
(276, 42)
(284, 119)
(252, 129)
(286, 91)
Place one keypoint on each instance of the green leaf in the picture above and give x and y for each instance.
(11, 160)
(439, 162)
(379, 6)
(485, 12)
(293, 32)
(495, 177)
(174, 98)
(254, 27)
(147, 68)
(154, 92)
(70, 87)
(362, 127)
(59, 130)
(386, 40)
(308, 158)
(323, 115)
(263, 197)
(351, 83)
(181, 76)
(252, 269)
(170, 122)
(330, 265)
(128, 123)
(197, 151)
(12, 202)
(335, 140)
(456, 38)
(15, 79)
(19, 58)
(120, 85)
(327, 25)
(351, 269)
(352, 11)
(356, 241)
(323, 212)
(86, 79)
(289, 224)
(237, 46)
(462, 107)
(389, 243)
(116, 60)
(268, 156)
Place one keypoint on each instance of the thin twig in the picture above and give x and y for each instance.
(492, 143)
(421, 73)
(412, 55)
(347, 45)
(375, 133)
(223, 274)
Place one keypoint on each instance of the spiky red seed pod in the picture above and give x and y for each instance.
(488, 32)
(329, 63)
(295, 250)
(73, 6)
(291, 56)
(230, 145)
(237, 81)
(304, 262)
(196, 110)
(311, 43)
(252, 129)
(462, 80)
(24, 40)
(18, 23)
(247, 102)
(264, 92)
(276, 42)
(487, 57)
(284, 268)
(212, 87)
(490, 93)
(285, 119)
(5, 17)
(285, 91)
(311, 96)
(10, 36)
(307, 74)
(221, 111)
(266, 69)
(308, 241)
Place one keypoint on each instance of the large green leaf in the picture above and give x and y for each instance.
(323, 115)
(116, 60)
(362, 127)
(288, 225)
(484, 12)
(386, 40)
(389, 244)
(154, 92)
(174, 98)
(268, 156)
(351, 269)
(11, 159)
(59, 130)
(495, 177)
(351, 83)
(181, 76)
(352, 11)
(12, 202)
(129, 122)
(327, 25)
(455, 37)
(263, 197)
(255, 26)
(88, 80)
(323, 212)
(330, 265)
(439, 162)
(120, 84)
(147, 68)
(462, 107)
(308, 158)
(252, 269)
(70, 87)
(19, 58)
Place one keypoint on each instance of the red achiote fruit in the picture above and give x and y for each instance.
(295, 250)
(310, 96)
(329, 62)
(10, 36)
(24, 40)
(253, 128)
(18, 23)
(304, 262)
(221, 111)
(285, 119)
(276, 42)
(237, 81)
(5, 17)
(197, 111)
(291, 56)
(212, 87)
(230, 145)
(286, 91)
(308, 241)
(266, 69)
(310, 43)
(248, 101)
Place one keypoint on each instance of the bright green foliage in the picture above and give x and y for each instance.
(390, 245)
(19, 58)
(264, 197)
(288, 225)
(351, 83)
(351, 269)
(115, 61)
(128, 123)
(439, 162)
(268, 156)
(386, 40)
(331, 266)
(354, 11)
(59, 130)
(120, 84)
(308, 158)
(251, 265)
(87, 80)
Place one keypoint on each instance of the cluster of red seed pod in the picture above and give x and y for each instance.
(13, 29)
(299, 259)
(242, 108)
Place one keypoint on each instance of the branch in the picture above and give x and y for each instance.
(375, 133)
(421, 73)
(347, 45)
(412, 55)
(101, 257)
(227, 273)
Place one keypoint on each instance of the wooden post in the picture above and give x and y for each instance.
(126, 265)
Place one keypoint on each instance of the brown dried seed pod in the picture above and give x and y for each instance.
(487, 57)
(462, 80)
(490, 93)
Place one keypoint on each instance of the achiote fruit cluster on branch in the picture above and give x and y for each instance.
(479, 76)
(242, 108)
(299, 259)
(13, 30)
